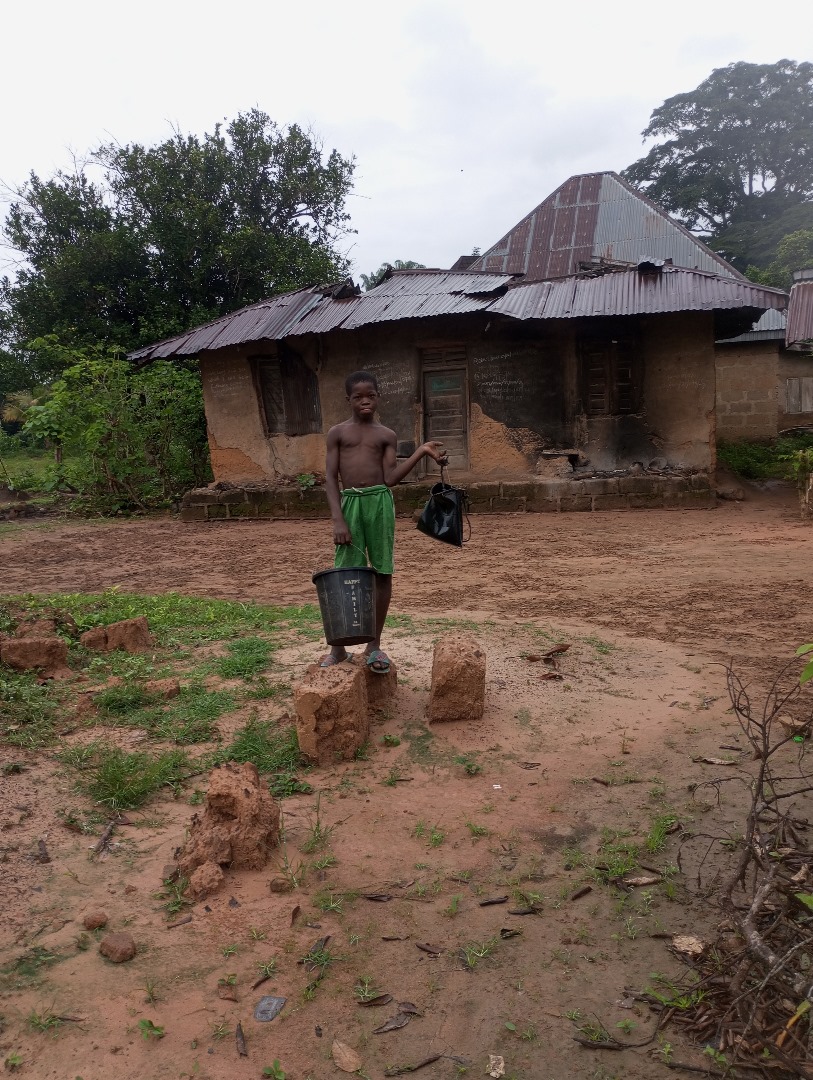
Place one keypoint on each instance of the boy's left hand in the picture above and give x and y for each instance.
(437, 452)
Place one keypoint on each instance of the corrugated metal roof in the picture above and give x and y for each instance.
(268, 320)
(800, 314)
(770, 326)
(441, 281)
(591, 217)
(420, 294)
(629, 292)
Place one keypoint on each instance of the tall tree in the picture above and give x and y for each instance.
(375, 277)
(736, 151)
(144, 242)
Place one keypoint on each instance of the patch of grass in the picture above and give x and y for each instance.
(476, 831)
(656, 837)
(454, 906)
(43, 1021)
(190, 717)
(318, 833)
(173, 895)
(30, 965)
(475, 951)
(27, 711)
(174, 619)
(602, 647)
(273, 750)
(123, 781)
(247, 657)
(260, 689)
(421, 744)
(365, 989)
(470, 766)
(121, 700)
(391, 740)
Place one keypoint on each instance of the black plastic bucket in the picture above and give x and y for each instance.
(347, 602)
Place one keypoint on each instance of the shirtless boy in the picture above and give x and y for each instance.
(361, 452)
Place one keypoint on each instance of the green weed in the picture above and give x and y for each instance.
(470, 766)
(27, 711)
(247, 657)
(43, 1021)
(124, 781)
(475, 951)
(273, 750)
(150, 1031)
(656, 837)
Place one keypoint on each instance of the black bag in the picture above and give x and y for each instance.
(442, 517)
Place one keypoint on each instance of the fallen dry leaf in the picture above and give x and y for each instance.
(713, 761)
(398, 1021)
(640, 880)
(345, 1057)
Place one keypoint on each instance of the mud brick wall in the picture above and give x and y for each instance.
(506, 497)
(746, 399)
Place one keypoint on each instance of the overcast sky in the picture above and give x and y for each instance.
(462, 115)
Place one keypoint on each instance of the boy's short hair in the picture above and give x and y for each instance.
(359, 377)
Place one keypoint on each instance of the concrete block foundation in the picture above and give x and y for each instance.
(581, 494)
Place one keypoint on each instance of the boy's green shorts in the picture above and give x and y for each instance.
(370, 516)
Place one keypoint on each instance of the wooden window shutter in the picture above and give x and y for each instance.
(289, 392)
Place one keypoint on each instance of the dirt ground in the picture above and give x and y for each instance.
(651, 604)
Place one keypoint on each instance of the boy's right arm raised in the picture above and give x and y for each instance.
(341, 533)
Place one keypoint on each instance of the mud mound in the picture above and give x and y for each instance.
(238, 829)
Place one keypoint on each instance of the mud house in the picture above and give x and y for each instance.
(596, 389)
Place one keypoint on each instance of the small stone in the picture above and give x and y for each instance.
(94, 920)
(129, 890)
(118, 947)
(170, 871)
(280, 885)
(163, 688)
(205, 880)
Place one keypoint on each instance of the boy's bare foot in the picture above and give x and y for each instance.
(335, 656)
(377, 661)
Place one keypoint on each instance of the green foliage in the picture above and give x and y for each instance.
(170, 236)
(793, 252)
(273, 750)
(27, 710)
(247, 658)
(173, 619)
(771, 459)
(375, 277)
(137, 436)
(123, 781)
(150, 1031)
(807, 670)
(734, 152)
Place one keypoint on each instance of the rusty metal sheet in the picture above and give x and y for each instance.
(268, 320)
(597, 216)
(800, 314)
(629, 292)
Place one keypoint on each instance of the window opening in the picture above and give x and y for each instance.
(289, 394)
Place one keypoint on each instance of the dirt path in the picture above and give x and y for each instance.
(650, 603)
(734, 581)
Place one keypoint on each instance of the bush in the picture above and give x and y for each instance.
(766, 460)
(136, 438)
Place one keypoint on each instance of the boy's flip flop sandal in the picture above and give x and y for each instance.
(380, 658)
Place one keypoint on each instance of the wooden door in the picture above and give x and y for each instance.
(445, 413)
